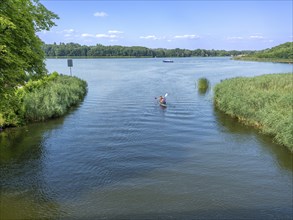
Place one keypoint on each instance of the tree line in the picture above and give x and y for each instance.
(99, 50)
(282, 51)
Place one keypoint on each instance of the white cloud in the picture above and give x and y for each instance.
(235, 38)
(110, 36)
(151, 37)
(251, 37)
(187, 36)
(68, 31)
(115, 32)
(258, 37)
(100, 14)
(87, 35)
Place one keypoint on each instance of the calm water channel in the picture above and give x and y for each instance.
(119, 155)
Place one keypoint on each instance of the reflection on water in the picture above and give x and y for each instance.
(240, 131)
(25, 143)
(24, 194)
(203, 91)
(27, 206)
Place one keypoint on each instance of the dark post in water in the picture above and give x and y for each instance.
(70, 64)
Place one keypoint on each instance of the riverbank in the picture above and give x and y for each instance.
(42, 99)
(264, 102)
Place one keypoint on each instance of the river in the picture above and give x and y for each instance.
(119, 155)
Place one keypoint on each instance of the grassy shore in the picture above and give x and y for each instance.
(265, 102)
(273, 60)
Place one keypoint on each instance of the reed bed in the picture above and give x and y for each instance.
(265, 102)
(54, 99)
(38, 100)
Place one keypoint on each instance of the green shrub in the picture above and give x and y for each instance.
(2, 121)
(264, 101)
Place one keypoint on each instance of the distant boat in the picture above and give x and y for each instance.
(168, 61)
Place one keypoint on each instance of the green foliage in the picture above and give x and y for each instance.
(280, 53)
(1, 120)
(73, 50)
(20, 48)
(10, 110)
(264, 101)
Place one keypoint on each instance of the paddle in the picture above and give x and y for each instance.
(165, 95)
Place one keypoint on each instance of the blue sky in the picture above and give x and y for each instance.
(193, 24)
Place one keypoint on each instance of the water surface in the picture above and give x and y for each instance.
(119, 155)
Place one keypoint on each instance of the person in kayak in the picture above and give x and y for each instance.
(163, 100)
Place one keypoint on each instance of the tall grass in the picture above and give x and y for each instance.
(265, 102)
(53, 99)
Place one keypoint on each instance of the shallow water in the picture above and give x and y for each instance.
(120, 155)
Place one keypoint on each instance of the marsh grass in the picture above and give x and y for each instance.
(265, 102)
(203, 85)
(41, 99)
(53, 99)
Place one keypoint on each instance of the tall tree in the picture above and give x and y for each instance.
(21, 51)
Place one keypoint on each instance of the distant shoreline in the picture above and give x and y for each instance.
(95, 57)
(272, 60)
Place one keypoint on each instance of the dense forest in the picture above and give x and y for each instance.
(282, 52)
(77, 50)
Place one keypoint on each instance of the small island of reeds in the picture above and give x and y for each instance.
(264, 102)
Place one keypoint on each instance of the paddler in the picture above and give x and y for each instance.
(162, 100)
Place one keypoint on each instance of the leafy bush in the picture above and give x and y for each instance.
(10, 113)
(263, 101)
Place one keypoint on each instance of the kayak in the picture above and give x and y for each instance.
(162, 104)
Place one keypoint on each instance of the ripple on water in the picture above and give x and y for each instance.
(120, 155)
